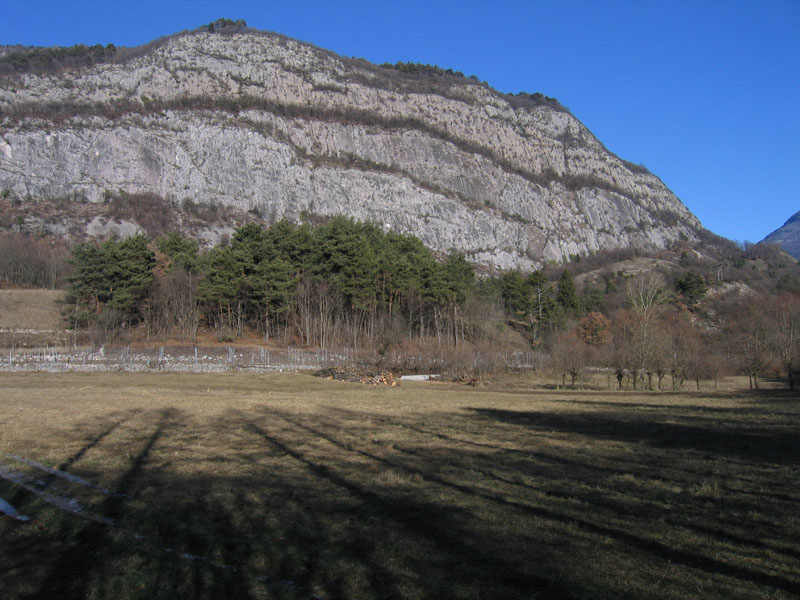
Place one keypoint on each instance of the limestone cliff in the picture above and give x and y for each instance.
(279, 128)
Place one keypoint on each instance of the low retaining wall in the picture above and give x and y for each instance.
(218, 359)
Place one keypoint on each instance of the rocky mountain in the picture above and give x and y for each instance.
(787, 236)
(271, 128)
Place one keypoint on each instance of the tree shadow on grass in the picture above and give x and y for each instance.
(771, 396)
(463, 486)
(118, 420)
(300, 510)
(438, 528)
(754, 408)
(491, 461)
(294, 531)
(92, 559)
(505, 449)
(94, 440)
(751, 444)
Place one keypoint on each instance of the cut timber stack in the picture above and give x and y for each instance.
(354, 376)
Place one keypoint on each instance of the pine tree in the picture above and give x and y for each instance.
(133, 263)
(115, 275)
(274, 289)
(540, 291)
(692, 287)
(566, 295)
(183, 253)
(221, 285)
(517, 294)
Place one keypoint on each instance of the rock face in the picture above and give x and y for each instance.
(788, 236)
(280, 128)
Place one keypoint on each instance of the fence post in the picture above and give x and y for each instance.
(265, 357)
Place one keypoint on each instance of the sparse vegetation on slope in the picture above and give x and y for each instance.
(343, 283)
(511, 157)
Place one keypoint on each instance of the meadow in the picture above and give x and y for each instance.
(289, 486)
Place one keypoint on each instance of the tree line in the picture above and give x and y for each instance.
(27, 261)
(346, 283)
(662, 338)
(342, 282)
(655, 329)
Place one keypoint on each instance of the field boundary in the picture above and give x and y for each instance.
(217, 359)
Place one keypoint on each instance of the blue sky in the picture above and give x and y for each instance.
(706, 94)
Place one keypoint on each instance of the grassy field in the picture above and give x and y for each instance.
(287, 486)
(30, 309)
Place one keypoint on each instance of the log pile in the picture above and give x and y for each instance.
(385, 378)
(354, 375)
(340, 374)
(466, 379)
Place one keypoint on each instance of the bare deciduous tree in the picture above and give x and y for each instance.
(784, 331)
(646, 302)
(747, 329)
(571, 355)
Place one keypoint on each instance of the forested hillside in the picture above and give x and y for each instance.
(343, 282)
(651, 320)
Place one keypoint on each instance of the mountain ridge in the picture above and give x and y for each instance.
(787, 236)
(279, 128)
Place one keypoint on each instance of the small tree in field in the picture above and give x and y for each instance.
(646, 302)
(748, 332)
(618, 355)
(677, 333)
(571, 356)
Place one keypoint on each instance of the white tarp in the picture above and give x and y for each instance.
(416, 377)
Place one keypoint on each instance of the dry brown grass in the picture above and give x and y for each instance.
(316, 488)
(30, 309)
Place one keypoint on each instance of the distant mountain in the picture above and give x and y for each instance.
(788, 236)
(237, 124)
